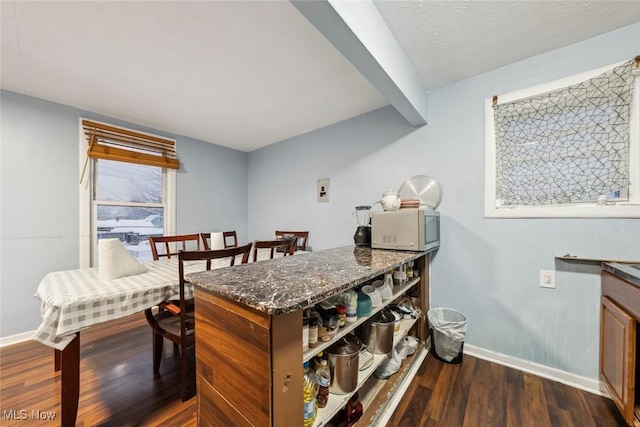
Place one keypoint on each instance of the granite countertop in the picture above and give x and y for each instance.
(287, 284)
(628, 272)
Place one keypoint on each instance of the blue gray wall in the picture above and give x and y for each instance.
(39, 175)
(486, 269)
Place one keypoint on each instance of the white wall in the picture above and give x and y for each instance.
(486, 269)
(39, 206)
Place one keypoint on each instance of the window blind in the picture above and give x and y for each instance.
(113, 143)
(568, 145)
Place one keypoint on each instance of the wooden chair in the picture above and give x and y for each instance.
(226, 235)
(177, 322)
(301, 238)
(172, 244)
(230, 235)
(287, 245)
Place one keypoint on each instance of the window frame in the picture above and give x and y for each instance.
(88, 206)
(617, 209)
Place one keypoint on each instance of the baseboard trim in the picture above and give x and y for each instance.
(573, 380)
(16, 339)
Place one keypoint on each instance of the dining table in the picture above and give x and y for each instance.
(73, 300)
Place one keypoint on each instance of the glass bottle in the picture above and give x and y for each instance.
(316, 361)
(313, 332)
(341, 311)
(324, 379)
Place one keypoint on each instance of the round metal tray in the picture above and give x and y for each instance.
(423, 188)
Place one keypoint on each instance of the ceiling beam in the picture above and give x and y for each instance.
(358, 31)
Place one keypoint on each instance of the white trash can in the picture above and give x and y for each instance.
(448, 329)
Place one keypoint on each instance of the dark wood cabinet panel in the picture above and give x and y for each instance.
(625, 294)
(232, 357)
(618, 344)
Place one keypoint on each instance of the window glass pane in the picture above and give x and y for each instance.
(132, 225)
(128, 182)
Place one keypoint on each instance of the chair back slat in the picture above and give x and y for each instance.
(178, 242)
(301, 238)
(287, 244)
(230, 239)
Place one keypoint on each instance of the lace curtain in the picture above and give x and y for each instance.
(568, 145)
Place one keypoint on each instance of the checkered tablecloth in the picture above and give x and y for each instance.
(72, 300)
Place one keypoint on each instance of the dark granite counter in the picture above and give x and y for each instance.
(628, 272)
(287, 284)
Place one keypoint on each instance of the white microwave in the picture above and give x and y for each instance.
(405, 229)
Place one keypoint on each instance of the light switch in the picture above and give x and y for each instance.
(322, 190)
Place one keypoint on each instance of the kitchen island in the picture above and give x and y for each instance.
(249, 350)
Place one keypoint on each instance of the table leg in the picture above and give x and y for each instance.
(56, 359)
(70, 382)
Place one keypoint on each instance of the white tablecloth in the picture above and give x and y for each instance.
(72, 300)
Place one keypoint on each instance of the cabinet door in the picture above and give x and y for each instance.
(617, 355)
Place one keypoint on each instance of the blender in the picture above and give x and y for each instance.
(363, 232)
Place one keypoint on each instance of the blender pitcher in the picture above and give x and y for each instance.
(363, 232)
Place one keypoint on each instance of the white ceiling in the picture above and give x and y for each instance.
(248, 74)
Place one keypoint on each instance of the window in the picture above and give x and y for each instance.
(128, 189)
(569, 148)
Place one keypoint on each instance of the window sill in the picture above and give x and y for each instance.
(585, 211)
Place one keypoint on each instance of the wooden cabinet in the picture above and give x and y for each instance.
(249, 362)
(618, 344)
(246, 364)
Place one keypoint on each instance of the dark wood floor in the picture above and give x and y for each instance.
(117, 388)
(480, 393)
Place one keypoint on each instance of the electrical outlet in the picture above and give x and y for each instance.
(322, 190)
(548, 279)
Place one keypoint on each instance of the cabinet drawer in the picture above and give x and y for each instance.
(625, 294)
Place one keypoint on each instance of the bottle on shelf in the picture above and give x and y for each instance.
(310, 394)
(410, 270)
(305, 333)
(313, 331)
(324, 379)
(351, 306)
(317, 359)
(341, 311)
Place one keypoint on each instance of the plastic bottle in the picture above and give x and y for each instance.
(324, 379)
(309, 394)
(352, 306)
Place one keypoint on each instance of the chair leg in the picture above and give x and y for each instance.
(158, 341)
(183, 372)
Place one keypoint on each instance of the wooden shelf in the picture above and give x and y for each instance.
(398, 291)
(338, 401)
(374, 395)
(596, 260)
